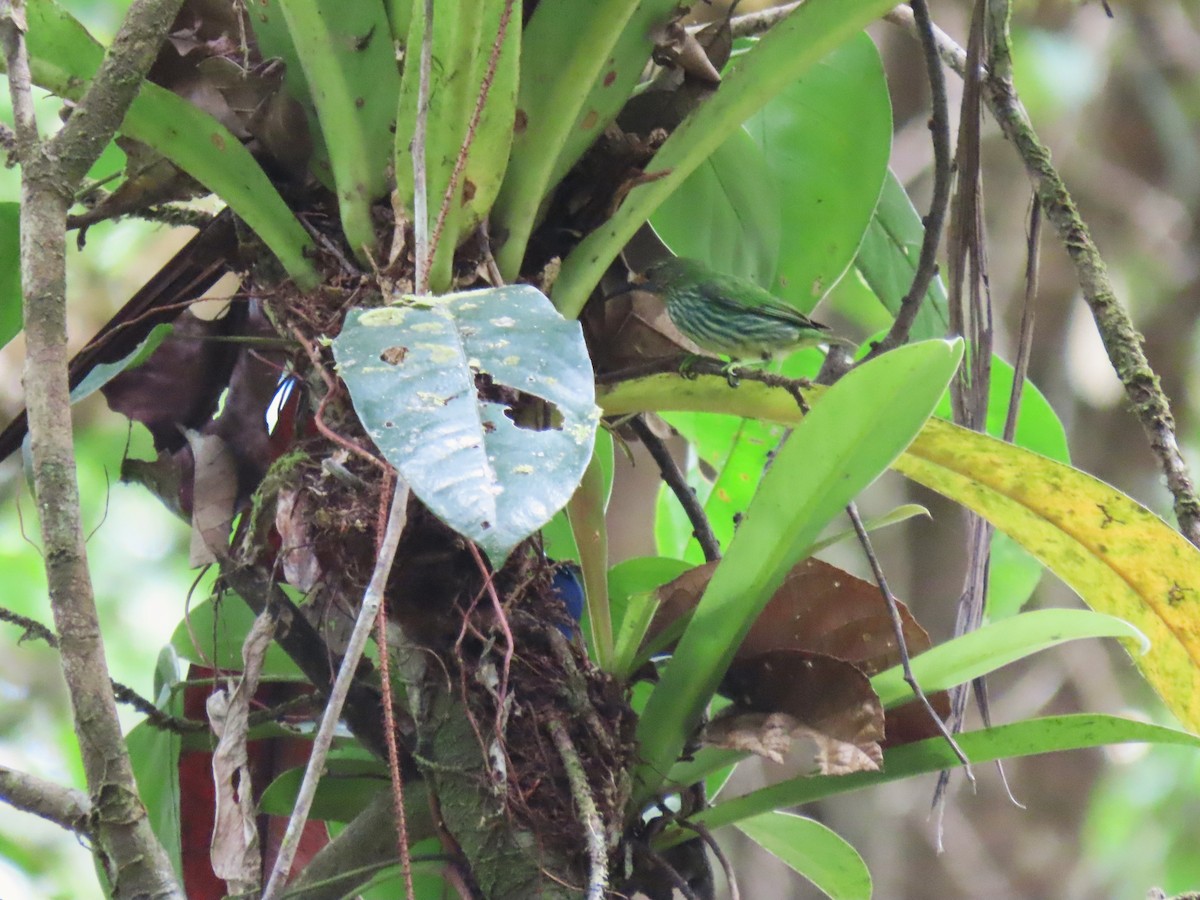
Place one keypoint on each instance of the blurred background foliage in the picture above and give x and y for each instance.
(1118, 101)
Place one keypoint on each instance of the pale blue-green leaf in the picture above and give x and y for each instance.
(411, 369)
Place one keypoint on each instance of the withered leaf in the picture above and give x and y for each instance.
(827, 701)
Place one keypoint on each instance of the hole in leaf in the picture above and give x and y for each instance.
(393, 356)
(539, 415)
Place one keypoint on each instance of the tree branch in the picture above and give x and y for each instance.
(1121, 340)
(65, 807)
(125, 846)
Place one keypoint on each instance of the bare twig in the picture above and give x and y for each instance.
(372, 599)
(679, 487)
(939, 127)
(715, 849)
(898, 628)
(581, 792)
(389, 722)
(125, 846)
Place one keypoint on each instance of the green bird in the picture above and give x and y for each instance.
(730, 315)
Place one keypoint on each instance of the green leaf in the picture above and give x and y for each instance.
(826, 138)
(64, 57)
(213, 633)
(10, 271)
(275, 42)
(791, 48)
(1028, 738)
(103, 373)
(579, 63)
(350, 65)
(812, 850)
(738, 451)
(887, 260)
(345, 789)
(483, 469)
(727, 212)
(998, 644)
(464, 36)
(586, 512)
(631, 590)
(857, 428)
(154, 755)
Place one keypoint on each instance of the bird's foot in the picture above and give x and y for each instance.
(732, 374)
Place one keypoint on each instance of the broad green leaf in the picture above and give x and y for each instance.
(464, 35)
(998, 644)
(63, 59)
(1117, 555)
(727, 213)
(789, 50)
(859, 426)
(887, 259)
(481, 467)
(103, 373)
(1027, 738)
(10, 271)
(350, 66)
(579, 63)
(826, 138)
(154, 755)
(814, 851)
(213, 633)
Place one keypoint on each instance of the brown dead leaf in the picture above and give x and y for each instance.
(301, 567)
(828, 701)
(235, 852)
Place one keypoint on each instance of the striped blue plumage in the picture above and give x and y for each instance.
(729, 315)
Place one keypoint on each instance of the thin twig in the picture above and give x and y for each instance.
(460, 163)
(389, 726)
(676, 481)
(581, 792)
(715, 849)
(372, 599)
(898, 628)
(420, 170)
(939, 127)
